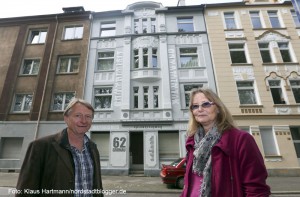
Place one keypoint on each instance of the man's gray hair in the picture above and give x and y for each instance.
(77, 100)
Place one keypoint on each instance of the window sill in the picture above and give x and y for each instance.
(241, 64)
(251, 106)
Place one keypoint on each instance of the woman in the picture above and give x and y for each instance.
(221, 159)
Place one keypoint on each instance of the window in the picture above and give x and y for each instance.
(103, 97)
(295, 85)
(265, 52)
(185, 24)
(108, 29)
(102, 140)
(295, 131)
(276, 91)
(284, 51)
(22, 102)
(75, 32)
(188, 57)
(168, 145)
(146, 61)
(146, 97)
(68, 64)
(30, 67)
(10, 147)
(246, 92)
(135, 97)
(61, 100)
(255, 19)
(237, 52)
(145, 57)
(153, 25)
(155, 97)
(37, 36)
(274, 20)
(230, 20)
(144, 25)
(154, 58)
(187, 92)
(105, 60)
(295, 18)
(268, 141)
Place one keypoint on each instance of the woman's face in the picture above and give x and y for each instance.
(206, 113)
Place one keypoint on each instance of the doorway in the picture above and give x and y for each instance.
(136, 150)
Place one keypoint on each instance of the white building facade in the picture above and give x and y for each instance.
(143, 61)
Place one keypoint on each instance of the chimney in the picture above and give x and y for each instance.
(181, 3)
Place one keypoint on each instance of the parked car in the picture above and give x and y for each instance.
(174, 173)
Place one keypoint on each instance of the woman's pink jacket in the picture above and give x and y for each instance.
(238, 167)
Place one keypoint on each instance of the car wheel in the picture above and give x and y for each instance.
(180, 182)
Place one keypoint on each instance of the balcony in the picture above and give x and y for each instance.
(146, 75)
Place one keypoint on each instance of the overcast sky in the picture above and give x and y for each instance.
(15, 8)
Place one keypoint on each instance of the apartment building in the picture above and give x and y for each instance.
(143, 62)
(255, 50)
(42, 66)
(137, 66)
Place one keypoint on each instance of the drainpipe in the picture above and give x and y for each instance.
(46, 79)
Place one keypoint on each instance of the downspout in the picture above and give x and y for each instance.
(46, 79)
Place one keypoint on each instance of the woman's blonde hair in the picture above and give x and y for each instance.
(224, 118)
(77, 100)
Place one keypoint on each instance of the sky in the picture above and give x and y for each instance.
(17, 8)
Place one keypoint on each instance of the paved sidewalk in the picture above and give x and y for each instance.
(141, 184)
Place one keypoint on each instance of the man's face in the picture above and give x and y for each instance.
(79, 120)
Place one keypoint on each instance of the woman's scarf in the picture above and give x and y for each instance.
(202, 157)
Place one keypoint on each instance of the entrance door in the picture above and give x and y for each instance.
(136, 149)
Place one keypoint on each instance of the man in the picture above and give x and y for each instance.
(67, 162)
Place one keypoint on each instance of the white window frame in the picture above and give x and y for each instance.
(146, 90)
(145, 60)
(136, 97)
(282, 93)
(73, 32)
(295, 87)
(249, 88)
(263, 49)
(144, 25)
(66, 98)
(34, 66)
(269, 142)
(37, 36)
(194, 61)
(108, 28)
(288, 49)
(70, 65)
(186, 90)
(107, 93)
(245, 49)
(23, 101)
(228, 19)
(105, 58)
(185, 20)
(156, 96)
(271, 15)
(257, 16)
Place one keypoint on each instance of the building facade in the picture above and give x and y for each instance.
(143, 61)
(258, 76)
(137, 66)
(42, 67)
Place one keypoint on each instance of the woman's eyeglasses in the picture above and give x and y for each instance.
(203, 105)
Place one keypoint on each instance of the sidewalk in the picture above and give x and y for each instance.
(141, 184)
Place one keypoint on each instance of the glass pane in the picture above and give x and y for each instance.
(63, 67)
(28, 102)
(108, 32)
(43, 37)
(35, 68)
(78, 32)
(247, 97)
(238, 57)
(69, 33)
(27, 67)
(18, 103)
(58, 102)
(74, 64)
(189, 61)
